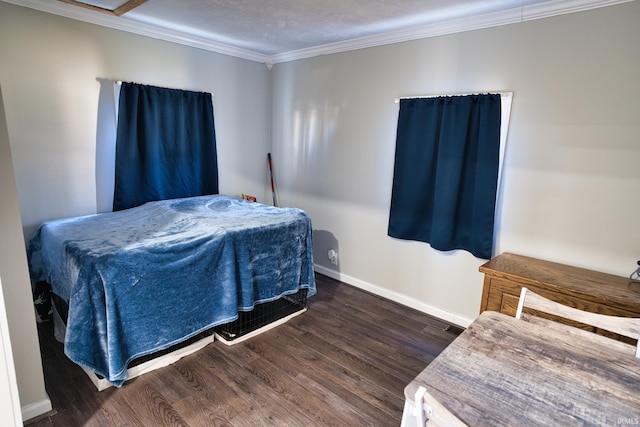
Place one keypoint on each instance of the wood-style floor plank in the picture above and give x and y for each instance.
(344, 362)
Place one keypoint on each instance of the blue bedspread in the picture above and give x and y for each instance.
(141, 280)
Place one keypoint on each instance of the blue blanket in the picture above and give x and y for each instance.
(143, 279)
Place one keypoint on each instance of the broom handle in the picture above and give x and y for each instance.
(273, 190)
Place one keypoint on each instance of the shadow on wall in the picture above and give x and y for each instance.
(326, 250)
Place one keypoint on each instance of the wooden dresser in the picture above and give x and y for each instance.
(576, 287)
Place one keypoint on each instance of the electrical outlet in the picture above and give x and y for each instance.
(333, 257)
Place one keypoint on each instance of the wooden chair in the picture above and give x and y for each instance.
(625, 326)
(430, 412)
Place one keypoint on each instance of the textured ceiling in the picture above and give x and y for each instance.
(280, 30)
(276, 26)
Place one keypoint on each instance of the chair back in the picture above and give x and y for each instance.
(430, 412)
(625, 326)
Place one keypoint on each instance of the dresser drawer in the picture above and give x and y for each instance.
(586, 290)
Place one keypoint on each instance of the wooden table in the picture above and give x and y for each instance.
(506, 372)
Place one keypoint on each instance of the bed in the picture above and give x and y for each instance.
(142, 280)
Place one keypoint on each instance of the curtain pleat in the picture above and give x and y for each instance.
(165, 145)
(446, 171)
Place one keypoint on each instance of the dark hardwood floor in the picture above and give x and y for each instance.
(345, 362)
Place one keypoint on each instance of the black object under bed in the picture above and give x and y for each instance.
(247, 321)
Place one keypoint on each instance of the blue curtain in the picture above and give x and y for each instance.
(446, 172)
(165, 145)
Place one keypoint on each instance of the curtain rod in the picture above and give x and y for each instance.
(119, 83)
(501, 93)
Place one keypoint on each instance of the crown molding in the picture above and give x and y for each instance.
(555, 8)
(511, 16)
(415, 33)
(143, 29)
(505, 17)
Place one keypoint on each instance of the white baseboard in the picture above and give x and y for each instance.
(396, 297)
(36, 409)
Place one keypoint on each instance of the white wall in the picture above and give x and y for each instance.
(17, 303)
(571, 175)
(49, 71)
